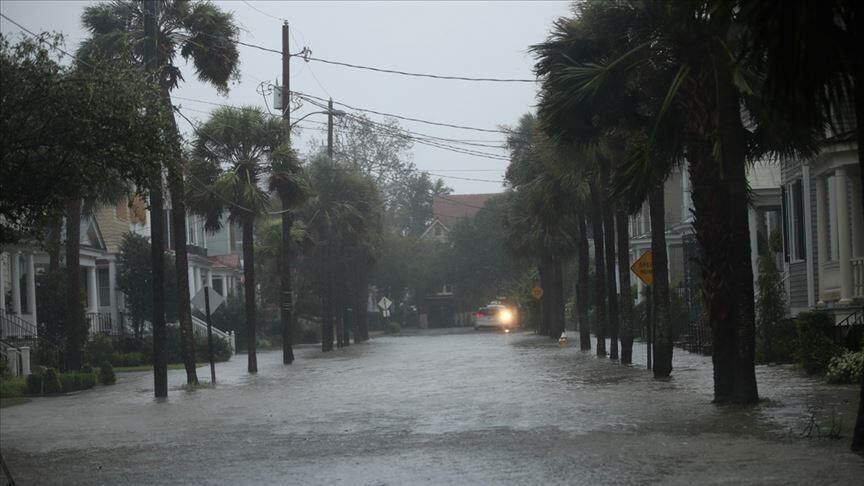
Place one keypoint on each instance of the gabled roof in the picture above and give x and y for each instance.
(451, 208)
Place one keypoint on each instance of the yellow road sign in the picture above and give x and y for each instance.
(644, 267)
(537, 292)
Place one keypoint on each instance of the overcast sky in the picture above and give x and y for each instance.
(472, 39)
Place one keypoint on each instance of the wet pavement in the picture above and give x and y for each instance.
(452, 408)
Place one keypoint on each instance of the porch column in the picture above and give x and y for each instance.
(191, 280)
(857, 220)
(2, 283)
(31, 289)
(753, 222)
(112, 292)
(92, 297)
(808, 235)
(210, 279)
(844, 237)
(15, 263)
(821, 235)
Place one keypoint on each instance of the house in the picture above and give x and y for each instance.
(439, 309)
(447, 210)
(823, 234)
(213, 260)
(682, 248)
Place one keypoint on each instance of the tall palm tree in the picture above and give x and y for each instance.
(687, 48)
(199, 32)
(344, 216)
(292, 187)
(232, 154)
(543, 222)
(810, 55)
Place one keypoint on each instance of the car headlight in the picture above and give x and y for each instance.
(505, 316)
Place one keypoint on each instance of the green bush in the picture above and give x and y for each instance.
(46, 354)
(778, 343)
(846, 369)
(13, 387)
(106, 374)
(129, 359)
(99, 350)
(393, 327)
(74, 381)
(221, 349)
(51, 381)
(815, 344)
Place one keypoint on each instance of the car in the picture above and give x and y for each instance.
(496, 316)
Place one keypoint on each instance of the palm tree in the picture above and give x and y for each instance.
(542, 224)
(233, 151)
(198, 31)
(291, 186)
(810, 56)
(683, 49)
(344, 216)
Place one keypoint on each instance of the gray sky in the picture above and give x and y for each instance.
(474, 39)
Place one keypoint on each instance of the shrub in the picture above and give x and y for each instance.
(73, 381)
(51, 381)
(393, 327)
(815, 345)
(34, 384)
(13, 387)
(46, 354)
(106, 374)
(309, 336)
(846, 368)
(98, 350)
(129, 359)
(221, 349)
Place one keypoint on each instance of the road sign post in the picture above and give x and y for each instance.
(209, 335)
(643, 267)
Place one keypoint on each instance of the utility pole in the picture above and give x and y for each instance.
(330, 130)
(286, 296)
(157, 228)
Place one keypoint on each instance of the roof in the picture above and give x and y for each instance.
(451, 208)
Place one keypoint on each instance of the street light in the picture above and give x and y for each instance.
(330, 112)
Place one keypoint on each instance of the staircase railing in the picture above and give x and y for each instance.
(199, 327)
(14, 327)
(850, 331)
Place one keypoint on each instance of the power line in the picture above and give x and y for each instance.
(263, 12)
(402, 117)
(308, 58)
(416, 137)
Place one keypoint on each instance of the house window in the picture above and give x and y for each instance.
(104, 287)
(793, 202)
(190, 230)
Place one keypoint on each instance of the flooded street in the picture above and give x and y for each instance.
(459, 408)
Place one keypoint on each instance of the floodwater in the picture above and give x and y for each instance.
(452, 408)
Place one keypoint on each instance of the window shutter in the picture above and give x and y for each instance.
(785, 214)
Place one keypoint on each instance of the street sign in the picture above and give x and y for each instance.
(537, 292)
(384, 303)
(644, 268)
(215, 300)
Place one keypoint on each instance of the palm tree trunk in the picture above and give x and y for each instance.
(599, 268)
(326, 302)
(660, 288)
(362, 318)
(546, 283)
(181, 262)
(75, 323)
(609, 246)
(554, 296)
(287, 295)
(249, 288)
(157, 249)
(54, 239)
(734, 164)
(584, 282)
(624, 282)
